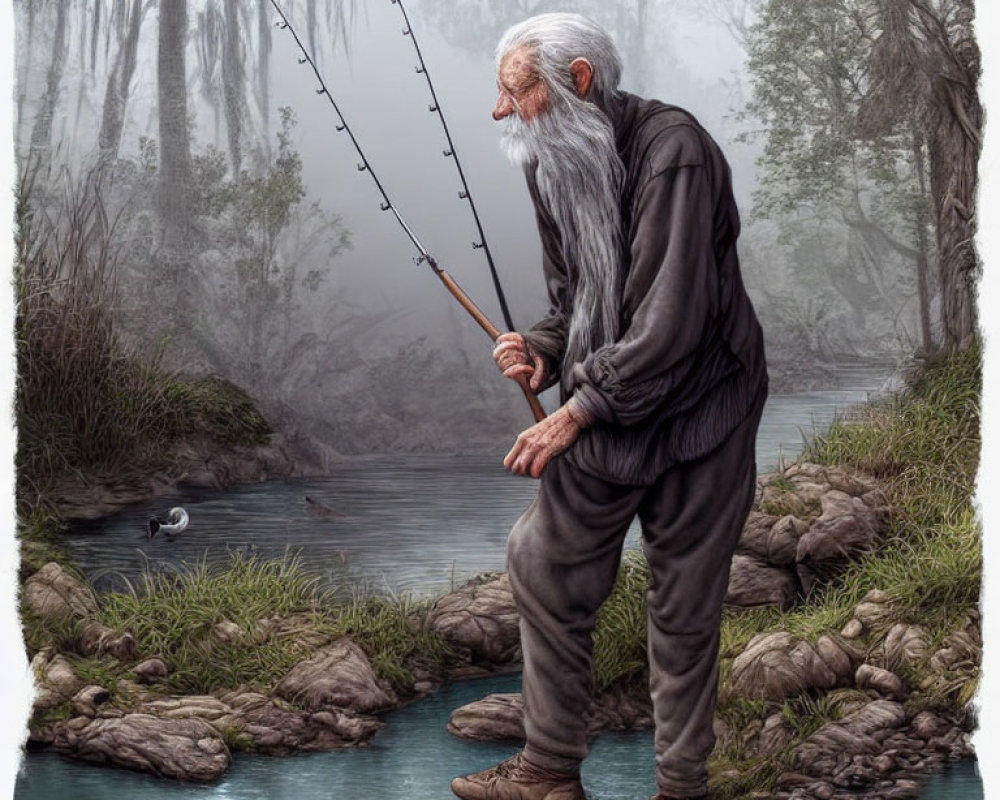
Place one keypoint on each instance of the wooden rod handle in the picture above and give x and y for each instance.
(531, 397)
(494, 332)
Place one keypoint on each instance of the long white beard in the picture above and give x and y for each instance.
(579, 175)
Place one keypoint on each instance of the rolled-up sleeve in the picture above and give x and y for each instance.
(671, 301)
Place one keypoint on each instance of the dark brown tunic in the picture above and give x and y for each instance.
(689, 365)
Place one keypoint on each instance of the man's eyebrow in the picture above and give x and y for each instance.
(525, 82)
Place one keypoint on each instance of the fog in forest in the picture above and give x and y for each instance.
(247, 244)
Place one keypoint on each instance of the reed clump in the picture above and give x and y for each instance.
(86, 401)
(620, 636)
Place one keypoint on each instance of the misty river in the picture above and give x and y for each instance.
(412, 523)
(417, 524)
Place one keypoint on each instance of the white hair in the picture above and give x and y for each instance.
(557, 40)
(571, 150)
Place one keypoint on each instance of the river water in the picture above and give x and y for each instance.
(416, 524)
(412, 758)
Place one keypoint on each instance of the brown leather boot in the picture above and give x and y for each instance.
(518, 779)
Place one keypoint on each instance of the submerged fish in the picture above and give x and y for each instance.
(317, 509)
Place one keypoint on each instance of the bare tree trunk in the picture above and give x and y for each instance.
(233, 83)
(117, 93)
(25, 62)
(920, 223)
(41, 134)
(263, 85)
(175, 146)
(81, 92)
(311, 26)
(95, 31)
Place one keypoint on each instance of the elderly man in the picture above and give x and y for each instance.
(660, 363)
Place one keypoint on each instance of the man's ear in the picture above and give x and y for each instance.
(583, 75)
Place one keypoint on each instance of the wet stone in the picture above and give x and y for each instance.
(481, 618)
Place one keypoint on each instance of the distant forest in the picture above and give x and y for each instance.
(209, 255)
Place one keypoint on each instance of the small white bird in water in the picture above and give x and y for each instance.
(176, 521)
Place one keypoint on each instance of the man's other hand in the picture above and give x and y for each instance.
(540, 443)
(514, 358)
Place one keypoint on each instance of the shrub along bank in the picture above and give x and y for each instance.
(87, 405)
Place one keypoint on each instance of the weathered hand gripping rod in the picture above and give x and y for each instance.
(386, 205)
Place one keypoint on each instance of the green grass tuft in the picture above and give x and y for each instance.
(620, 636)
(393, 633)
(174, 615)
(86, 403)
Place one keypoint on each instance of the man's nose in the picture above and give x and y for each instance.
(504, 107)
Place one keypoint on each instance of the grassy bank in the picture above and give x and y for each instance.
(923, 446)
(245, 623)
(87, 404)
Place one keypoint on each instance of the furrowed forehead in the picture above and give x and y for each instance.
(518, 65)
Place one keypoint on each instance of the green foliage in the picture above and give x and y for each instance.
(735, 781)
(264, 201)
(846, 202)
(174, 614)
(103, 671)
(935, 426)
(620, 636)
(39, 632)
(810, 63)
(234, 298)
(392, 632)
(216, 408)
(237, 740)
(38, 529)
(85, 401)
(807, 713)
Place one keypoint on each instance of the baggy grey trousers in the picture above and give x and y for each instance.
(563, 556)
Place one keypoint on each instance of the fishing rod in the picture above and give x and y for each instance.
(452, 153)
(387, 205)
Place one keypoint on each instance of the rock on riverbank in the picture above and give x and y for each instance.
(811, 520)
(189, 737)
(870, 747)
(810, 523)
(326, 701)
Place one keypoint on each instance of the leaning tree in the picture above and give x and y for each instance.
(925, 67)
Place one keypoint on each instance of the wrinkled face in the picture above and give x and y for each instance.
(522, 90)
